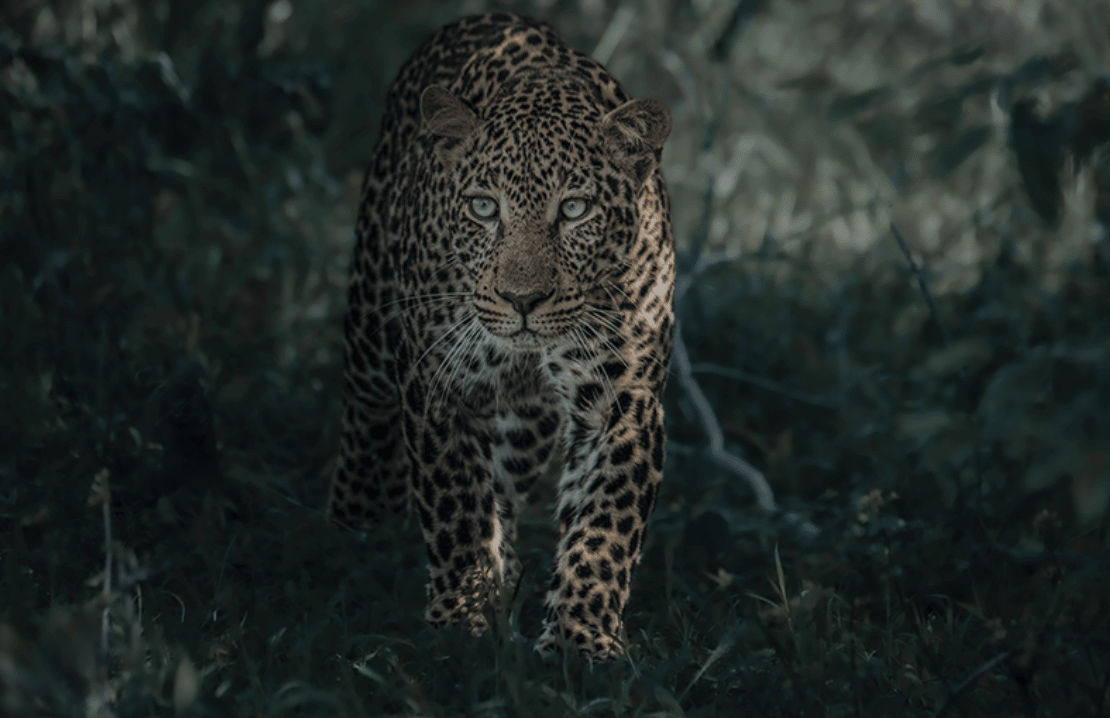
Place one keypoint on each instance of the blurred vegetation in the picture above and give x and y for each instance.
(898, 304)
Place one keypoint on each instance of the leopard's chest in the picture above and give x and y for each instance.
(466, 372)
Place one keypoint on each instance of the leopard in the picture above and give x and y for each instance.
(509, 321)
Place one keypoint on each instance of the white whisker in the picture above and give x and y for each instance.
(406, 303)
(442, 337)
(583, 341)
(604, 318)
(465, 339)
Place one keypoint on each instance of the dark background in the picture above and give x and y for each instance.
(894, 299)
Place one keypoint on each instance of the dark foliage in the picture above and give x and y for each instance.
(174, 234)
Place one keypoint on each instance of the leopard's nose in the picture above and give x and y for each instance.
(524, 303)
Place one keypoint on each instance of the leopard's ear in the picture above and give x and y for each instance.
(447, 116)
(635, 133)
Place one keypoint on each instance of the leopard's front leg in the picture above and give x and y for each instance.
(453, 491)
(607, 493)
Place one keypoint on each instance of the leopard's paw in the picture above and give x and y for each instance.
(591, 643)
(448, 609)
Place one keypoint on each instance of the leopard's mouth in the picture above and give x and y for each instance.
(528, 339)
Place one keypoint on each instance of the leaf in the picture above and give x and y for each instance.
(956, 152)
(966, 354)
(1091, 487)
(186, 685)
(941, 111)
(923, 425)
(1008, 395)
(812, 82)
(965, 56)
(1039, 148)
(846, 106)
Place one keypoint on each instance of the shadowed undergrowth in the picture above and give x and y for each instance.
(175, 226)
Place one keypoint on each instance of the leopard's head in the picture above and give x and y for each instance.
(542, 197)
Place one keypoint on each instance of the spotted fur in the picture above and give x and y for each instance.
(509, 319)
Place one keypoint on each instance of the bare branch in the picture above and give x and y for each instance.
(764, 496)
(921, 281)
(761, 382)
(695, 263)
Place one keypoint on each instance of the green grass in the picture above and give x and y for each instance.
(173, 253)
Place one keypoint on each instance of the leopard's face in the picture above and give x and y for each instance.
(542, 216)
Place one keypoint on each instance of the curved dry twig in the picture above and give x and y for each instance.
(764, 496)
(693, 265)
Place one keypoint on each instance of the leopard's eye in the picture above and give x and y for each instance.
(574, 208)
(483, 208)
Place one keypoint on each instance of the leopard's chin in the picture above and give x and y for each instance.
(528, 340)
